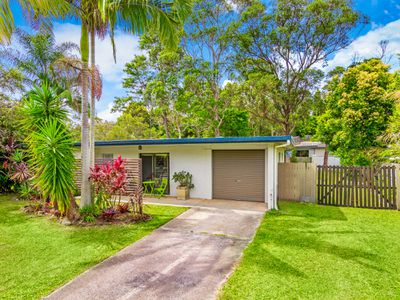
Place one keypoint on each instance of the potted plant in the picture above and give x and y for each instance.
(184, 180)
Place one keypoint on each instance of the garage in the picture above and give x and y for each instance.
(239, 174)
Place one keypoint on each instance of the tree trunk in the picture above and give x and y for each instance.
(166, 126)
(217, 131)
(92, 97)
(326, 153)
(86, 198)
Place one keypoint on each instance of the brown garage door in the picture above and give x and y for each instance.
(239, 174)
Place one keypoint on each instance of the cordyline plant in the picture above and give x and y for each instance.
(109, 181)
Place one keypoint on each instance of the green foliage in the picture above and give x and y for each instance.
(41, 60)
(89, 213)
(27, 191)
(53, 161)
(50, 145)
(183, 178)
(286, 42)
(43, 103)
(360, 104)
(235, 122)
(11, 84)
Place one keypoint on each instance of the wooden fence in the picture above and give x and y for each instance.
(296, 181)
(134, 170)
(368, 187)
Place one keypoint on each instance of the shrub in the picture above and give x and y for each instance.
(89, 213)
(108, 214)
(28, 192)
(109, 181)
(184, 179)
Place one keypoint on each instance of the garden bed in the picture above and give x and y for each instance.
(106, 217)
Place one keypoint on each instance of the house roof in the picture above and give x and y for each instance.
(309, 145)
(214, 140)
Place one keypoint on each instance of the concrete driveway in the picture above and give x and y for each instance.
(188, 258)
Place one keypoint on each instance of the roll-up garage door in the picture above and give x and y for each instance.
(239, 175)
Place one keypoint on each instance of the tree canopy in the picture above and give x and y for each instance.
(360, 104)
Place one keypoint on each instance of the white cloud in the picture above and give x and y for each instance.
(108, 115)
(367, 46)
(225, 82)
(126, 45)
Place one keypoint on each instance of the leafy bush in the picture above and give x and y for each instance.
(184, 179)
(108, 214)
(109, 181)
(14, 171)
(28, 192)
(89, 213)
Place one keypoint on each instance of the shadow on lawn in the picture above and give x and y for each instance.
(292, 230)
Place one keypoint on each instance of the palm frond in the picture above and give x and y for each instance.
(6, 22)
(138, 16)
(36, 9)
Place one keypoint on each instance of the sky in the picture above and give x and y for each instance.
(384, 24)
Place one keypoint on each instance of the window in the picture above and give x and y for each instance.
(302, 153)
(108, 156)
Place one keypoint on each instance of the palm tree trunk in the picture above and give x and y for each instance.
(85, 150)
(92, 97)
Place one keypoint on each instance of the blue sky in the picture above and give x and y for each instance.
(384, 17)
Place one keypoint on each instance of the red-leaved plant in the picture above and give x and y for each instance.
(109, 181)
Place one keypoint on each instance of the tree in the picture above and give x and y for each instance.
(207, 41)
(360, 103)
(42, 60)
(288, 41)
(11, 84)
(235, 123)
(134, 16)
(38, 57)
(50, 145)
(155, 82)
(254, 94)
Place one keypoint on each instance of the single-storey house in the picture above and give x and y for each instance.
(313, 151)
(233, 168)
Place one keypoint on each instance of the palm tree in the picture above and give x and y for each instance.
(135, 16)
(40, 58)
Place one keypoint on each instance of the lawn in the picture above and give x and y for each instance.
(38, 255)
(305, 251)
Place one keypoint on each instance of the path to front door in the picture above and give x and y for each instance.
(188, 258)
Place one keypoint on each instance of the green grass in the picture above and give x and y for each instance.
(38, 255)
(305, 251)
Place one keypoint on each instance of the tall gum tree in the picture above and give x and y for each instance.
(289, 40)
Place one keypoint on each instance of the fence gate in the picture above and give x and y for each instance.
(367, 187)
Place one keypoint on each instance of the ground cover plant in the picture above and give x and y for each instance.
(305, 251)
(38, 255)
